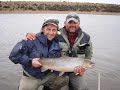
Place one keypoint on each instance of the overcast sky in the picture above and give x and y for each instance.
(91, 1)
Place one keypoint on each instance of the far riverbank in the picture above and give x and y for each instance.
(55, 12)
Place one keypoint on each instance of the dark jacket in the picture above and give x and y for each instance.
(25, 51)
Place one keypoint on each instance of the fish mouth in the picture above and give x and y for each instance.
(88, 64)
(92, 64)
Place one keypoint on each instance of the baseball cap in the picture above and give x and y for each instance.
(52, 21)
(72, 17)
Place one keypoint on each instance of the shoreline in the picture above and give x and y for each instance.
(55, 12)
(27, 7)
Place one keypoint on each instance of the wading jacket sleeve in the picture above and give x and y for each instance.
(24, 51)
(82, 44)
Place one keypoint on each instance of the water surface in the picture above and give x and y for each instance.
(103, 29)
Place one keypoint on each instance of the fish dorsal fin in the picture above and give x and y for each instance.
(44, 68)
(61, 73)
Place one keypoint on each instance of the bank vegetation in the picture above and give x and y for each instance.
(9, 6)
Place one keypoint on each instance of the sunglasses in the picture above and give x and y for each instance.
(71, 16)
(55, 21)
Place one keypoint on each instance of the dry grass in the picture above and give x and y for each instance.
(58, 7)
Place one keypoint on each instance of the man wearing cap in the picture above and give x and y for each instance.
(27, 53)
(74, 43)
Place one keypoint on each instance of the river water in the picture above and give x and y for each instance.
(103, 29)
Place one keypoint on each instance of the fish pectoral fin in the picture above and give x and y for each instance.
(44, 68)
(61, 73)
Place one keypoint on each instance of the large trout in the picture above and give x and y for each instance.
(64, 64)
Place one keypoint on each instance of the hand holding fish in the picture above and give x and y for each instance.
(36, 63)
(79, 70)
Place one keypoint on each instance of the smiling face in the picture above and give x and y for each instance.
(72, 26)
(50, 31)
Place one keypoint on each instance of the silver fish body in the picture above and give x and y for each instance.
(64, 64)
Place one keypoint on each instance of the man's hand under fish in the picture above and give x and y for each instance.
(79, 70)
(64, 64)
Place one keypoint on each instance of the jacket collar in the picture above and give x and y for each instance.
(43, 39)
(79, 32)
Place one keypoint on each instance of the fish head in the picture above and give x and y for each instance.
(88, 64)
